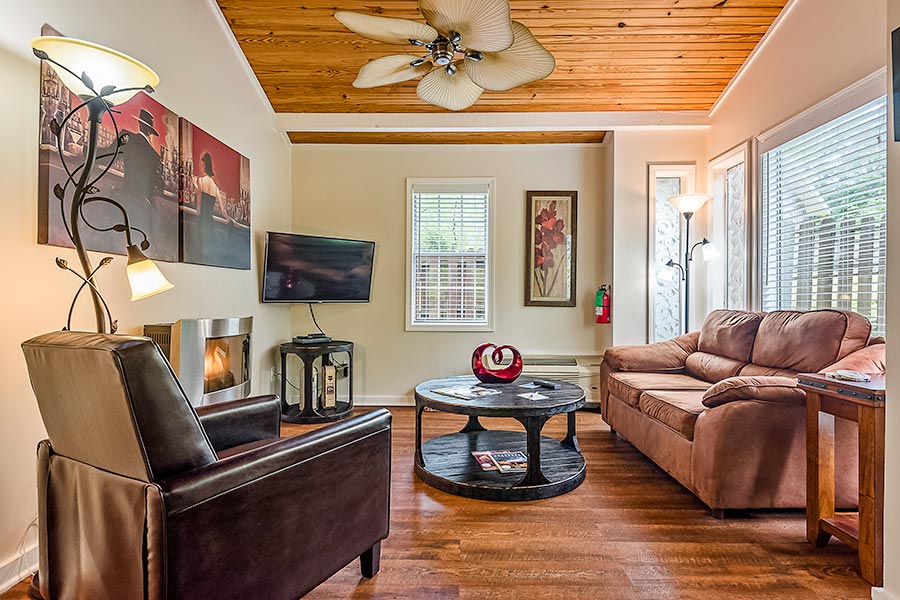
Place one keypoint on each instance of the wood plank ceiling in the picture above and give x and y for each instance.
(612, 55)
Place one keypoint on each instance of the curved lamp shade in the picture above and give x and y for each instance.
(667, 273)
(104, 66)
(144, 276)
(689, 203)
(709, 251)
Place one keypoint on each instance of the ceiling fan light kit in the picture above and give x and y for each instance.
(472, 45)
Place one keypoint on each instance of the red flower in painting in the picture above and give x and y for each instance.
(549, 229)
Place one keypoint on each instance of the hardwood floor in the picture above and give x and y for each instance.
(630, 532)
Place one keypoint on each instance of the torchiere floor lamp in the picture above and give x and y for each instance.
(84, 68)
(687, 205)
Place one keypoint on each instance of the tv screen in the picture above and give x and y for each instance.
(308, 268)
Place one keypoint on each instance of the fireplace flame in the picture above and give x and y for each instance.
(217, 373)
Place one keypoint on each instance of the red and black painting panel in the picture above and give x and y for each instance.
(215, 201)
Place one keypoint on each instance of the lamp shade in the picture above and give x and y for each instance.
(689, 203)
(709, 251)
(667, 273)
(144, 276)
(104, 66)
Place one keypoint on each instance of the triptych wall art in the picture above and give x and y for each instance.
(183, 189)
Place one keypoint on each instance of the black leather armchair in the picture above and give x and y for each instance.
(142, 497)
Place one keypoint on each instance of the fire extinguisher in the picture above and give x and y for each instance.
(602, 304)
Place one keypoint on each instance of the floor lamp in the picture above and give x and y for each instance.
(687, 205)
(84, 68)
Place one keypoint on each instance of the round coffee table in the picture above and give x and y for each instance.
(554, 467)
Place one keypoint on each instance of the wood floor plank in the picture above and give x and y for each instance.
(629, 532)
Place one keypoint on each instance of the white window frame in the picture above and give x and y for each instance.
(847, 100)
(718, 229)
(491, 183)
(687, 172)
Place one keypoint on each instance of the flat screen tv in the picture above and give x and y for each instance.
(312, 269)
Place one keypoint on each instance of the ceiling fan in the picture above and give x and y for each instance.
(472, 45)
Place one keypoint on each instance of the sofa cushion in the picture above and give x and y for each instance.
(628, 387)
(809, 341)
(677, 410)
(870, 359)
(752, 370)
(712, 367)
(782, 390)
(729, 333)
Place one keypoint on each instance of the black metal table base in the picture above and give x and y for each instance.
(554, 467)
(293, 414)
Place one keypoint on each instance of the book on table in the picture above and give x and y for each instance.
(466, 392)
(504, 461)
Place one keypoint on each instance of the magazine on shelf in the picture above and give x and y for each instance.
(466, 392)
(504, 461)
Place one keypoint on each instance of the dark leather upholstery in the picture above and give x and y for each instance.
(140, 497)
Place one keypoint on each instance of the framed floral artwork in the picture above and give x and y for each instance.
(550, 228)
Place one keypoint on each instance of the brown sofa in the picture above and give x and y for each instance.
(719, 409)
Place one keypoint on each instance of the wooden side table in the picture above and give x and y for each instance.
(863, 403)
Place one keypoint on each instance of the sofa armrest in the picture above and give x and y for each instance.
(781, 390)
(659, 357)
(870, 359)
(230, 424)
(251, 468)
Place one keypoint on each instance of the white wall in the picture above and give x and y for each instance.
(634, 152)
(203, 80)
(360, 192)
(819, 48)
(892, 416)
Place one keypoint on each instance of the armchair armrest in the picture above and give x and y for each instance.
(659, 357)
(230, 424)
(247, 469)
(780, 390)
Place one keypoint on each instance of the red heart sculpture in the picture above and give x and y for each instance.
(507, 374)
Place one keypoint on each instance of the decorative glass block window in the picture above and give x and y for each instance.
(449, 255)
(665, 308)
(823, 198)
(736, 234)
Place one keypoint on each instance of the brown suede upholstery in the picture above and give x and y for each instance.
(668, 356)
(138, 498)
(738, 441)
(677, 410)
(764, 389)
(710, 367)
(630, 386)
(729, 333)
(809, 341)
(868, 360)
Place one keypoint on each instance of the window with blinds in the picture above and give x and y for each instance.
(449, 256)
(824, 230)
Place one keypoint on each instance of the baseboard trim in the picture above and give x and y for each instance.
(18, 567)
(882, 594)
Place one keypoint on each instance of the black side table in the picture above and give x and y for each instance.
(312, 409)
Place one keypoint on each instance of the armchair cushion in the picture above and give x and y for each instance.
(662, 357)
(868, 360)
(729, 333)
(782, 390)
(240, 422)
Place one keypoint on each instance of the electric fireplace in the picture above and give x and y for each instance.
(211, 357)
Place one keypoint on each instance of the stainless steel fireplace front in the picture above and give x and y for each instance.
(210, 356)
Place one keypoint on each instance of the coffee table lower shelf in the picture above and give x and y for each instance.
(447, 464)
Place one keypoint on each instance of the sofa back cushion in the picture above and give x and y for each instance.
(712, 367)
(808, 341)
(729, 333)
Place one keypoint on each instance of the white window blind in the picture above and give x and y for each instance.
(450, 241)
(823, 201)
